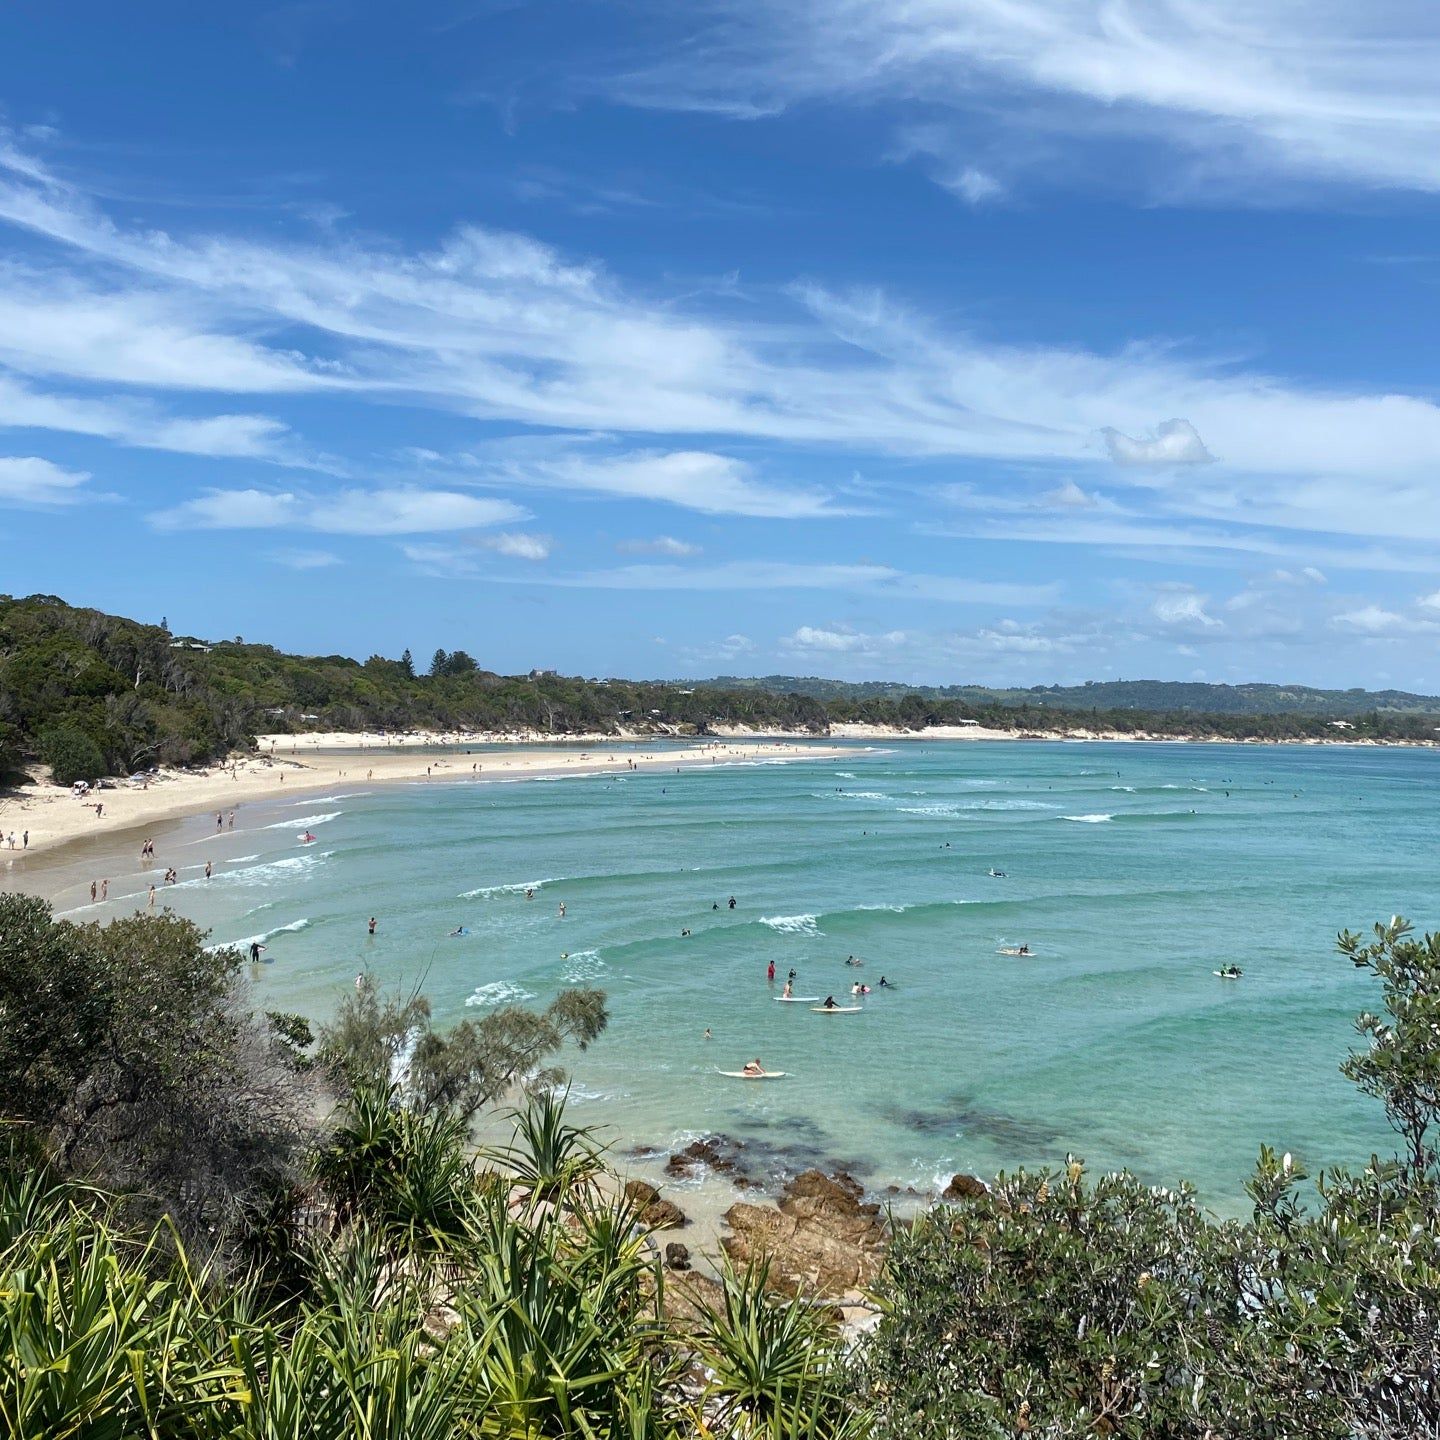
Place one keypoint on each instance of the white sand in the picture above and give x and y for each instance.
(297, 763)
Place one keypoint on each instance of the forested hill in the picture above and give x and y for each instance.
(1159, 696)
(93, 694)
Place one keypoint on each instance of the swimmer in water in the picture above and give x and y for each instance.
(885, 984)
(372, 925)
(707, 1035)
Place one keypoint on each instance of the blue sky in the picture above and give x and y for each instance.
(1012, 341)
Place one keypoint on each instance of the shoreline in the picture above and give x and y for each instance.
(57, 820)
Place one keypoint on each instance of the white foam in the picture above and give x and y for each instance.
(793, 924)
(306, 820)
(293, 865)
(844, 774)
(1088, 819)
(582, 967)
(328, 799)
(486, 892)
(499, 992)
(246, 941)
(1128, 789)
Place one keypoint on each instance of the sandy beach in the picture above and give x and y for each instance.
(52, 816)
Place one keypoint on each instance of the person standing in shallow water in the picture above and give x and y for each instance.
(372, 925)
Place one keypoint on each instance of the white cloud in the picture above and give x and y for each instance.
(843, 642)
(973, 185)
(518, 546)
(665, 545)
(29, 480)
(1376, 622)
(501, 327)
(128, 422)
(304, 559)
(1183, 608)
(1174, 442)
(1309, 88)
(347, 512)
(1430, 602)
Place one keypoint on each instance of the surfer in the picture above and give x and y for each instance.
(829, 1003)
(753, 1067)
(854, 960)
(458, 930)
(885, 984)
(732, 902)
(1024, 950)
(562, 909)
(790, 977)
(256, 950)
(788, 992)
(684, 934)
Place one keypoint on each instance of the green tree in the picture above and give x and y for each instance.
(1400, 1067)
(71, 754)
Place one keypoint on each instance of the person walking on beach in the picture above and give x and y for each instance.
(219, 821)
(150, 903)
(209, 869)
(25, 841)
(232, 820)
(104, 889)
(92, 892)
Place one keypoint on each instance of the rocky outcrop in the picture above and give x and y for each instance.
(677, 1256)
(821, 1239)
(964, 1187)
(717, 1153)
(655, 1213)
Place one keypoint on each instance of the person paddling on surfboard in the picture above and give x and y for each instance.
(829, 1003)
(753, 1067)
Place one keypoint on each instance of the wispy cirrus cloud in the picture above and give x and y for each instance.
(1315, 90)
(666, 545)
(347, 512)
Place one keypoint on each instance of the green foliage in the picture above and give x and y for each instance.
(1401, 1066)
(126, 1047)
(765, 1356)
(546, 1153)
(405, 1174)
(376, 1036)
(71, 754)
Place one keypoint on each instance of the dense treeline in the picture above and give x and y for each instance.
(188, 1250)
(1157, 696)
(93, 694)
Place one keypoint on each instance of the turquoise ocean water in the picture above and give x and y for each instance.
(1133, 872)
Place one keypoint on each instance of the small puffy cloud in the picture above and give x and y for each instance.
(1183, 608)
(659, 545)
(304, 559)
(518, 546)
(840, 642)
(1069, 496)
(1430, 602)
(1174, 442)
(973, 185)
(345, 512)
(1316, 577)
(1378, 623)
(29, 480)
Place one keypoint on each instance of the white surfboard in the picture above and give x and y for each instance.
(741, 1075)
(836, 1009)
(796, 999)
